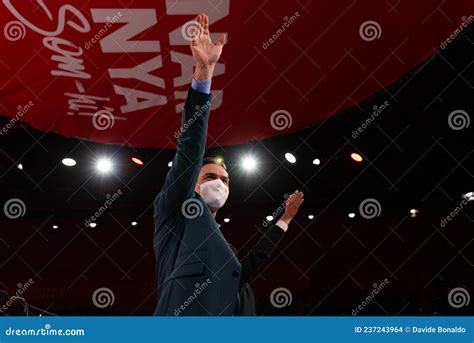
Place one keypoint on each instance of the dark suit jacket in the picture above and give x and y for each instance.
(197, 272)
(251, 263)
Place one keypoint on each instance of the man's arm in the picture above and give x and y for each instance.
(181, 178)
(262, 251)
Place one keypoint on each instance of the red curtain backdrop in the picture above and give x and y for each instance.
(113, 74)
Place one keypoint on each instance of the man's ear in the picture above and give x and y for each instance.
(197, 188)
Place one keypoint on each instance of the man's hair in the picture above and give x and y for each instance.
(214, 160)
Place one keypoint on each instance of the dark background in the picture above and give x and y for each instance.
(413, 159)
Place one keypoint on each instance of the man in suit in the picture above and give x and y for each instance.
(197, 272)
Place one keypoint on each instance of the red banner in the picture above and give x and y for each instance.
(118, 72)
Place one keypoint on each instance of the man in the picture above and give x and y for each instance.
(197, 272)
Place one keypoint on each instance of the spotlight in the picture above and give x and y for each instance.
(69, 162)
(103, 165)
(351, 215)
(290, 157)
(269, 218)
(137, 161)
(469, 196)
(170, 163)
(249, 163)
(20, 166)
(413, 212)
(134, 223)
(226, 220)
(92, 225)
(316, 161)
(356, 157)
(55, 227)
(310, 217)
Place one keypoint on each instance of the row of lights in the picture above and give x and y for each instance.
(413, 213)
(92, 225)
(249, 163)
(292, 158)
(103, 165)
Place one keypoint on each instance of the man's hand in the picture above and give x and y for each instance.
(205, 52)
(292, 204)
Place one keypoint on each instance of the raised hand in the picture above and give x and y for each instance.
(205, 52)
(292, 205)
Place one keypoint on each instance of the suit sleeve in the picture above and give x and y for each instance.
(259, 254)
(187, 162)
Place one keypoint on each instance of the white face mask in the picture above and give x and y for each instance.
(214, 193)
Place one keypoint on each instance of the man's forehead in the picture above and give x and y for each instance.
(212, 168)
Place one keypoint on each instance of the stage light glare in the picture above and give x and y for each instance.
(226, 220)
(310, 217)
(55, 227)
(351, 215)
(269, 218)
(290, 157)
(134, 223)
(356, 157)
(92, 225)
(137, 161)
(20, 166)
(316, 161)
(249, 163)
(69, 162)
(413, 212)
(103, 165)
(469, 196)
(170, 163)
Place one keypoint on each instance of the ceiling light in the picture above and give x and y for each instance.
(290, 157)
(356, 157)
